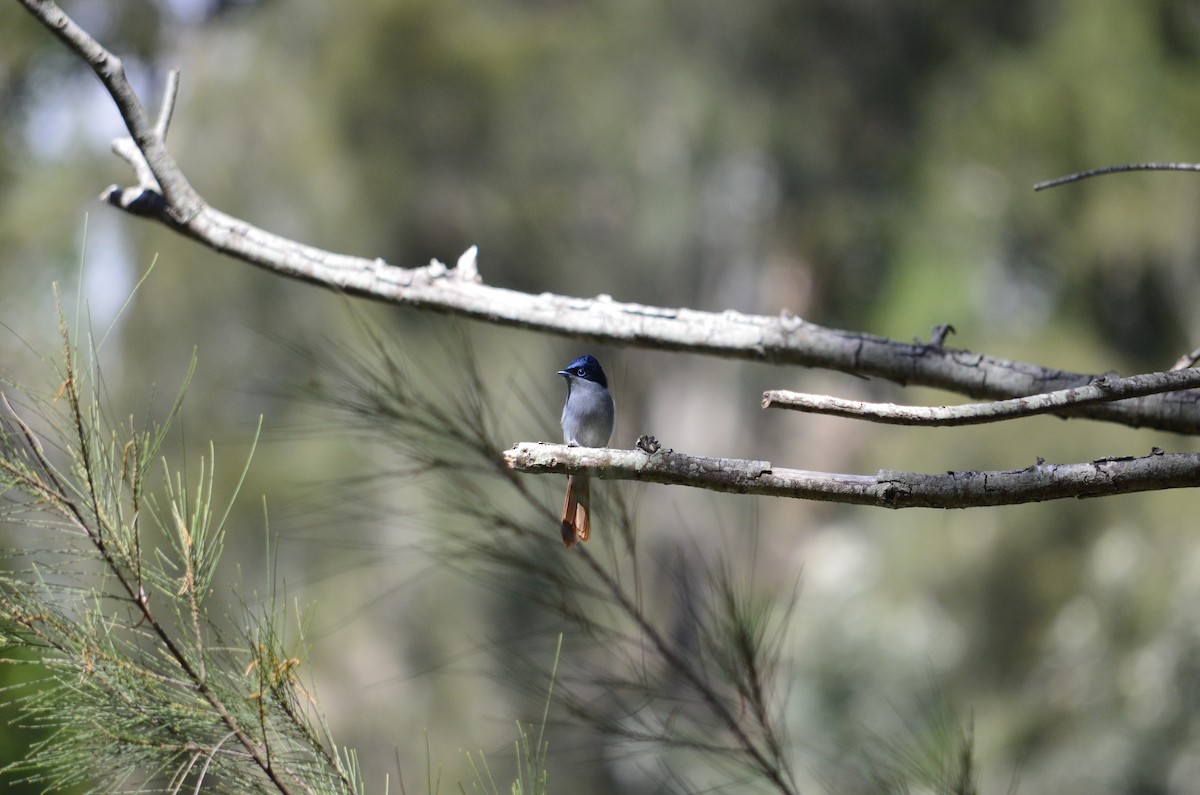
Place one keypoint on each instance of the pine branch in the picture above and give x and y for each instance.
(132, 687)
(658, 689)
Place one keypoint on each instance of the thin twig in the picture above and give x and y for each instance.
(1097, 172)
(1102, 390)
(170, 94)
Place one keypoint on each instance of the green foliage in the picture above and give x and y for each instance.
(934, 753)
(862, 164)
(143, 680)
(676, 652)
(531, 754)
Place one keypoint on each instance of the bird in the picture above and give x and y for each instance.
(587, 421)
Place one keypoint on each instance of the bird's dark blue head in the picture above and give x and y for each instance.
(587, 368)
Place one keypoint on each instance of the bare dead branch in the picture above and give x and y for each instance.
(783, 339)
(1102, 390)
(181, 202)
(1189, 359)
(146, 198)
(885, 489)
(170, 94)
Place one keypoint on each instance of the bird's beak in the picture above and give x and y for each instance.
(564, 373)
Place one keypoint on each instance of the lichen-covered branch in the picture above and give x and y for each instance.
(885, 489)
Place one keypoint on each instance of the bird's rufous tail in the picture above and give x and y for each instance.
(576, 524)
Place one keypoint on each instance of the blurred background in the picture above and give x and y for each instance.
(865, 165)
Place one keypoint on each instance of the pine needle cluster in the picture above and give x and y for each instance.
(695, 690)
(144, 680)
(148, 681)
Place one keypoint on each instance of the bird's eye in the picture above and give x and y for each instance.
(579, 370)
